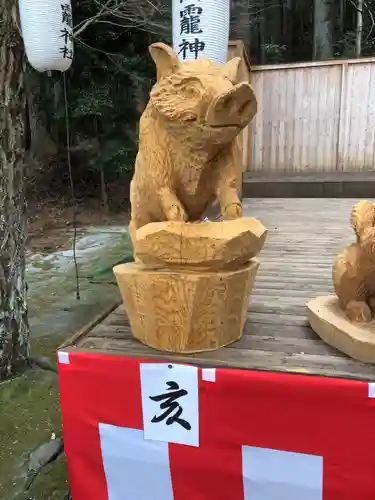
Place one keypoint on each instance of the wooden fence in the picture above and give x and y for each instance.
(314, 117)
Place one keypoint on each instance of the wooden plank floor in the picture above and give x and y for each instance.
(304, 235)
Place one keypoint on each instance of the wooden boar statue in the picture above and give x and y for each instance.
(354, 268)
(188, 153)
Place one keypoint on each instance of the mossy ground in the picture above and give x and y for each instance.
(30, 414)
(29, 404)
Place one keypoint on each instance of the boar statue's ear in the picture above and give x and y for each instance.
(232, 69)
(165, 59)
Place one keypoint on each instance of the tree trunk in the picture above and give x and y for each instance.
(288, 28)
(14, 328)
(323, 29)
(359, 30)
(41, 144)
(262, 32)
(274, 31)
(240, 22)
(103, 190)
(342, 18)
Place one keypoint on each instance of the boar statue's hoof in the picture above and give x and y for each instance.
(233, 211)
(358, 311)
(177, 213)
(354, 337)
(191, 291)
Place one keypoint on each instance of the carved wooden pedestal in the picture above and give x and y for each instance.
(191, 291)
(183, 310)
(330, 322)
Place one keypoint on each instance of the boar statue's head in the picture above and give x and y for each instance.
(200, 102)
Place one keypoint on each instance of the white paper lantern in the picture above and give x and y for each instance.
(47, 33)
(201, 29)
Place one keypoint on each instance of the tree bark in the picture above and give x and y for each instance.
(41, 144)
(103, 190)
(262, 33)
(323, 30)
(288, 28)
(240, 22)
(14, 327)
(359, 30)
(342, 17)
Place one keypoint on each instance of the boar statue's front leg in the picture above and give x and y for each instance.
(171, 205)
(229, 169)
(230, 204)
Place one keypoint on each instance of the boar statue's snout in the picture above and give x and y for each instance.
(236, 107)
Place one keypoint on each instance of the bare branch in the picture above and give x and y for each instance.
(84, 24)
(369, 12)
(127, 13)
(371, 15)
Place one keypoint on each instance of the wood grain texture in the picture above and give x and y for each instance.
(212, 245)
(354, 267)
(189, 154)
(236, 48)
(188, 159)
(302, 234)
(329, 321)
(346, 320)
(183, 310)
(314, 117)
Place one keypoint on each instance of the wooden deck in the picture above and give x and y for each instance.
(304, 235)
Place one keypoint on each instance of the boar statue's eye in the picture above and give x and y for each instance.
(190, 91)
(191, 88)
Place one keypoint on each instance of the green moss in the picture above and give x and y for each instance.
(43, 265)
(29, 404)
(30, 413)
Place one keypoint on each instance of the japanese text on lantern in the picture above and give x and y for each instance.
(190, 24)
(67, 31)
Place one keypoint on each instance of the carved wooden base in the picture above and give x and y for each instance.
(186, 311)
(212, 245)
(328, 320)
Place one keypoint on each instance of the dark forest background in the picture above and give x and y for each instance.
(111, 75)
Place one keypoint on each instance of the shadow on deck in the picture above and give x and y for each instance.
(312, 185)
